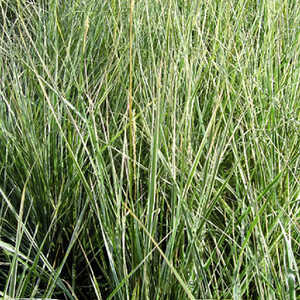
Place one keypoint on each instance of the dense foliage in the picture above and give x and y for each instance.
(149, 149)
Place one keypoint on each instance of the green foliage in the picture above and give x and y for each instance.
(149, 149)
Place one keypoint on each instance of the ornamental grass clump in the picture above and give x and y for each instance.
(149, 149)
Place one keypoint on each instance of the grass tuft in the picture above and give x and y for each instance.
(149, 149)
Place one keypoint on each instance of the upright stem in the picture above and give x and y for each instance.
(131, 127)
